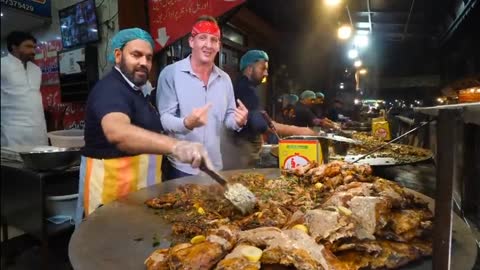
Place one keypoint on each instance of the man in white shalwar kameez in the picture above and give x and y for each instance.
(23, 118)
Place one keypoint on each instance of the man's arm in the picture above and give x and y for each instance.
(167, 103)
(288, 130)
(132, 139)
(229, 120)
(135, 140)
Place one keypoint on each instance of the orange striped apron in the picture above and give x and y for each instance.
(105, 180)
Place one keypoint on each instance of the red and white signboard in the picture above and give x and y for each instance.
(172, 19)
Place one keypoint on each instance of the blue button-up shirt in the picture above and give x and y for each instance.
(180, 90)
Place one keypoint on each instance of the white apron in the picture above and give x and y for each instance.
(23, 119)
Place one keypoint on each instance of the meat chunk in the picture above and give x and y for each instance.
(200, 256)
(290, 247)
(393, 255)
(262, 237)
(225, 235)
(157, 260)
(345, 193)
(408, 224)
(235, 260)
(368, 212)
(328, 226)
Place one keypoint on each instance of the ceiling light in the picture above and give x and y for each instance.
(357, 63)
(363, 25)
(362, 32)
(332, 2)
(361, 41)
(352, 54)
(341, 86)
(344, 32)
(1, 14)
(363, 71)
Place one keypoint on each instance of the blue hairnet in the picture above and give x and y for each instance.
(126, 35)
(251, 57)
(320, 95)
(307, 94)
(292, 99)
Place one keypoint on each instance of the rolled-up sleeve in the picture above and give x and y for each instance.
(167, 103)
(230, 122)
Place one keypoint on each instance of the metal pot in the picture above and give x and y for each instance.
(340, 148)
(56, 159)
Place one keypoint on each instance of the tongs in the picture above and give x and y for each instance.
(239, 195)
(270, 124)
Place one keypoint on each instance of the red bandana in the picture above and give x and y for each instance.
(206, 27)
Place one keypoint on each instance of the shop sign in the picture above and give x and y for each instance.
(172, 19)
(37, 7)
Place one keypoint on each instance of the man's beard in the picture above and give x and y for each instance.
(27, 57)
(130, 74)
(256, 81)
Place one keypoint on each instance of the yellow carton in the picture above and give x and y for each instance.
(378, 119)
(293, 153)
(381, 130)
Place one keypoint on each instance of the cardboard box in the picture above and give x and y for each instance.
(293, 153)
(381, 130)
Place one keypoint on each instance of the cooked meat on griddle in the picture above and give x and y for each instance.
(391, 256)
(204, 255)
(289, 247)
(236, 260)
(329, 216)
(329, 225)
(158, 260)
(400, 152)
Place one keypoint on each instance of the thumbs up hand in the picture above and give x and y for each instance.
(198, 117)
(241, 114)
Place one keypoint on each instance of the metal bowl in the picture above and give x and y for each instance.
(57, 159)
(340, 148)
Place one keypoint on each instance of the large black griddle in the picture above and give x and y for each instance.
(120, 235)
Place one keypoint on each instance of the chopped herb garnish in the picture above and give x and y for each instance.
(156, 241)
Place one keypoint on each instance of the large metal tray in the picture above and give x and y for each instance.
(119, 235)
(381, 161)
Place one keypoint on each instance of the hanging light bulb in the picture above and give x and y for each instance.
(361, 41)
(344, 32)
(357, 63)
(332, 2)
(352, 53)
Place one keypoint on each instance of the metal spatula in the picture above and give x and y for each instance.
(239, 195)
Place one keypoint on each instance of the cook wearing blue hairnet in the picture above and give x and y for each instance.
(318, 105)
(136, 62)
(304, 114)
(123, 129)
(126, 35)
(254, 68)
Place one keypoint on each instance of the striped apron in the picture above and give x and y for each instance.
(105, 180)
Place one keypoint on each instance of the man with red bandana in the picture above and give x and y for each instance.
(196, 100)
